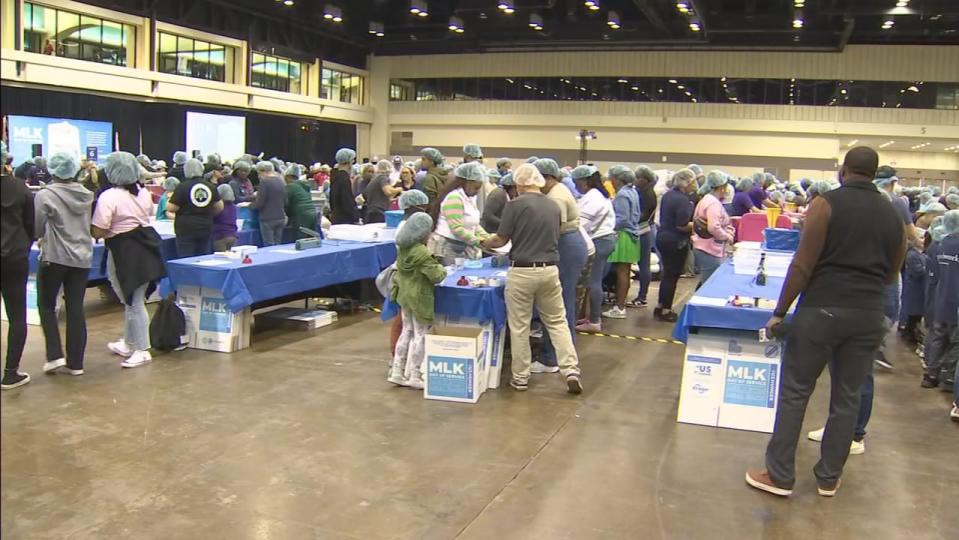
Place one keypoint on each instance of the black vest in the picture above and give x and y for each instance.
(863, 240)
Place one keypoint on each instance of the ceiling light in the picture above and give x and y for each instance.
(799, 3)
(590, 3)
(798, 19)
(419, 7)
(695, 25)
(456, 24)
(622, 81)
(913, 89)
(681, 87)
(902, 3)
(287, 2)
(683, 7)
(536, 21)
(612, 19)
(376, 28)
(505, 6)
(636, 88)
(852, 143)
(332, 13)
(672, 81)
(884, 145)
(888, 23)
(843, 91)
(688, 94)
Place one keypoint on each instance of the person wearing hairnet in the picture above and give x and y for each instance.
(496, 203)
(817, 189)
(532, 223)
(243, 190)
(24, 170)
(16, 232)
(412, 287)
(270, 203)
(39, 175)
(472, 152)
(342, 201)
(931, 211)
(169, 186)
(435, 179)
(194, 204)
(672, 240)
(742, 202)
(63, 212)
(716, 231)
(887, 181)
(503, 166)
(299, 208)
(627, 209)
(179, 159)
(458, 231)
(573, 254)
(411, 202)
(645, 188)
(942, 352)
(122, 217)
(598, 219)
(489, 184)
(224, 224)
(379, 193)
(952, 201)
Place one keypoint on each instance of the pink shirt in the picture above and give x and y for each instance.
(719, 224)
(119, 211)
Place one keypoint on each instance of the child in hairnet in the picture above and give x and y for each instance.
(913, 293)
(169, 186)
(417, 274)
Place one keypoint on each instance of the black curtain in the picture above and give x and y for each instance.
(163, 125)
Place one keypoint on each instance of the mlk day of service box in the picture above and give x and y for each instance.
(210, 323)
(494, 344)
(455, 364)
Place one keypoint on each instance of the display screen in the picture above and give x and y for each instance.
(32, 136)
(209, 133)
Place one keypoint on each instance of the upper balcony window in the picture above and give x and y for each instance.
(195, 58)
(275, 73)
(341, 86)
(58, 32)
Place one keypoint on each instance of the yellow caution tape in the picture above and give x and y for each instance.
(632, 338)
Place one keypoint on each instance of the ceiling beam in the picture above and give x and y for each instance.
(652, 16)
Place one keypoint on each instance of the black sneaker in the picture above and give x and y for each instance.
(929, 382)
(13, 379)
(883, 361)
(519, 386)
(573, 385)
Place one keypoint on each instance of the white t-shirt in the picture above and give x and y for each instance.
(596, 214)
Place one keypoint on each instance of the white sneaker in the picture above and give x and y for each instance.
(53, 365)
(120, 347)
(856, 448)
(415, 383)
(137, 359)
(538, 367)
(954, 415)
(615, 313)
(74, 372)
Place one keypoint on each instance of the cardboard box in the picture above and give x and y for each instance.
(295, 318)
(455, 364)
(494, 344)
(210, 324)
(701, 390)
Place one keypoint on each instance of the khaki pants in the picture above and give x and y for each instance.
(540, 286)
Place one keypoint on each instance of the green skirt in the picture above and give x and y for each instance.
(626, 250)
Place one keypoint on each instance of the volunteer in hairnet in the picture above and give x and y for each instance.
(194, 204)
(503, 166)
(715, 231)
(472, 152)
(431, 159)
(458, 232)
(179, 159)
(63, 211)
(572, 254)
(496, 203)
(628, 212)
(342, 202)
(532, 223)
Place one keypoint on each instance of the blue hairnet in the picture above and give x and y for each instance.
(758, 179)
(790, 196)
(532, 159)
(645, 172)
(226, 192)
(507, 180)
(278, 165)
(214, 161)
(413, 197)
(40, 161)
(933, 208)
(697, 170)
(776, 196)
(64, 165)
(416, 228)
(264, 167)
(170, 183)
(953, 190)
(547, 167)
(503, 161)
(884, 182)
(936, 191)
(805, 183)
(242, 165)
(191, 169)
(473, 150)
(769, 178)
(432, 154)
(293, 170)
(715, 178)
(179, 157)
(493, 173)
(583, 171)
(472, 171)
(820, 187)
(925, 197)
(936, 231)
(745, 183)
(345, 155)
(622, 174)
(950, 223)
(122, 169)
(952, 201)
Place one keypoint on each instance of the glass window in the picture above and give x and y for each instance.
(275, 73)
(342, 86)
(59, 32)
(195, 58)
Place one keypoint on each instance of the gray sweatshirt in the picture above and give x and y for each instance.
(271, 198)
(63, 211)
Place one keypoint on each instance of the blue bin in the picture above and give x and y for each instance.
(393, 218)
(250, 217)
(781, 239)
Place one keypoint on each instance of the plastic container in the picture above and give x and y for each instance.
(393, 218)
(781, 239)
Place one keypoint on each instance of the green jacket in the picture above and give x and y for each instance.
(417, 273)
(433, 183)
(299, 206)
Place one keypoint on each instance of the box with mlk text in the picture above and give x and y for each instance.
(210, 323)
(455, 364)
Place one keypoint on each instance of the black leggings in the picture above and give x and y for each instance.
(50, 278)
(673, 259)
(13, 288)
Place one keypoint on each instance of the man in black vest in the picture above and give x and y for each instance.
(853, 245)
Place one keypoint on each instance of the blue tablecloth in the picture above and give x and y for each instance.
(167, 248)
(725, 283)
(279, 271)
(482, 303)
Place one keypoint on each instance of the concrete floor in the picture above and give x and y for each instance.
(300, 437)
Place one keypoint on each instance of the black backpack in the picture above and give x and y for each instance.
(168, 326)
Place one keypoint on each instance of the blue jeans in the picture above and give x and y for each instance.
(136, 324)
(706, 264)
(193, 246)
(604, 246)
(646, 242)
(271, 232)
(572, 259)
(865, 407)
